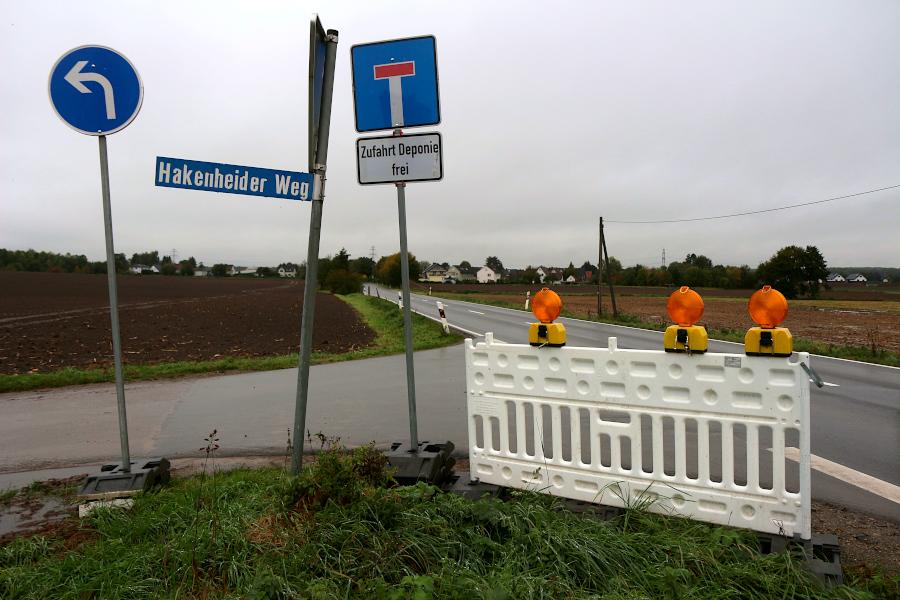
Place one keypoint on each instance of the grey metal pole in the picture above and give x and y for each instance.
(407, 322)
(312, 255)
(114, 305)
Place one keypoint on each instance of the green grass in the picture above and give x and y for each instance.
(260, 534)
(860, 353)
(382, 316)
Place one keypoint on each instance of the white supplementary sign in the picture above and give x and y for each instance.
(403, 158)
(706, 436)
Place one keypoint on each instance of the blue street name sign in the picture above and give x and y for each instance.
(395, 84)
(95, 90)
(232, 179)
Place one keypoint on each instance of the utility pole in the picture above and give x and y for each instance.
(600, 268)
(605, 252)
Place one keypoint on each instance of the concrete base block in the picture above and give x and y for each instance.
(430, 463)
(113, 482)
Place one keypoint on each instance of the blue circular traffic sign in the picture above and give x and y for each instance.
(95, 90)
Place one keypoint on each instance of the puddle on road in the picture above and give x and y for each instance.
(24, 516)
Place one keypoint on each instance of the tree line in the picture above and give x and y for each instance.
(794, 270)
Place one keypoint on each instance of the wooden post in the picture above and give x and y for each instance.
(600, 270)
(612, 292)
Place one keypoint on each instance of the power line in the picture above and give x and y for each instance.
(756, 212)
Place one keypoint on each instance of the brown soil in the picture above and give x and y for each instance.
(49, 321)
(866, 541)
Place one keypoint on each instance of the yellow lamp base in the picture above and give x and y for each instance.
(761, 341)
(547, 334)
(686, 339)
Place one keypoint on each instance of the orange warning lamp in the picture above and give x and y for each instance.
(546, 306)
(768, 309)
(685, 307)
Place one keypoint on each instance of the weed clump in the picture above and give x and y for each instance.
(339, 475)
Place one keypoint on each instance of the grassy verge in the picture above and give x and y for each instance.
(381, 316)
(860, 353)
(336, 532)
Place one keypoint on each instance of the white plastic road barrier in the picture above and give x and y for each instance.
(444, 324)
(701, 435)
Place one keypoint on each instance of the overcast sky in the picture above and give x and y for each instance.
(553, 114)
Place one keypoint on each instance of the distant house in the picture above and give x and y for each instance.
(550, 275)
(204, 272)
(436, 273)
(856, 278)
(282, 272)
(571, 279)
(487, 275)
(835, 278)
(144, 269)
(462, 274)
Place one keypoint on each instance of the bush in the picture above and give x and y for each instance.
(340, 476)
(341, 281)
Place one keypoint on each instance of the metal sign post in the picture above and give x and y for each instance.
(395, 85)
(407, 321)
(320, 99)
(110, 103)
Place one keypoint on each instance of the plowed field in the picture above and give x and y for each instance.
(54, 320)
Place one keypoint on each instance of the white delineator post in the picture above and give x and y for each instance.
(527, 298)
(444, 323)
(399, 299)
(394, 72)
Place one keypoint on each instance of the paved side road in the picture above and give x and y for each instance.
(359, 401)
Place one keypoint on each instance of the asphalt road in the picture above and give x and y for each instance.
(855, 417)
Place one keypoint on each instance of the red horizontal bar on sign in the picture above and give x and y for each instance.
(395, 69)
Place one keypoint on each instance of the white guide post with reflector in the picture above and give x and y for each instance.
(394, 73)
(446, 326)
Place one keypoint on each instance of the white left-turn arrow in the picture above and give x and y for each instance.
(77, 79)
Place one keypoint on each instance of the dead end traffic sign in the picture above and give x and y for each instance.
(395, 84)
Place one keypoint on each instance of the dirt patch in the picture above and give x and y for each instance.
(866, 541)
(54, 321)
